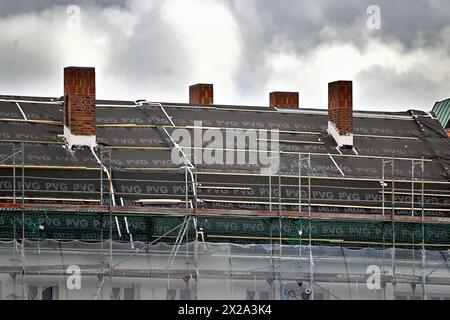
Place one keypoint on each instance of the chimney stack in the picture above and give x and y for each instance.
(340, 112)
(284, 100)
(201, 94)
(79, 106)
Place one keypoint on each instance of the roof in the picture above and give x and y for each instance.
(135, 145)
(442, 111)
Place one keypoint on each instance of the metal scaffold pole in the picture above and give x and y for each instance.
(279, 209)
(22, 148)
(110, 227)
(187, 208)
(309, 199)
(300, 232)
(394, 281)
(14, 177)
(383, 183)
(195, 186)
(270, 190)
(413, 228)
(300, 185)
(185, 224)
(23, 194)
(101, 178)
(424, 293)
(412, 187)
(311, 259)
(280, 249)
(307, 159)
(17, 151)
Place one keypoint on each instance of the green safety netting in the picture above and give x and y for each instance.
(100, 226)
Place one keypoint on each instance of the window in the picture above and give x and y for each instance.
(42, 293)
(438, 297)
(47, 293)
(251, 295)
(408, 297)
(118, 293)
(319, 296)
(33, 293)
(115, 294)
(178, 294)
(171, 294)
(128, 293)
(185, 294)
(264, 295)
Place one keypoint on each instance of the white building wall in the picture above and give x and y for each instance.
(223, 275)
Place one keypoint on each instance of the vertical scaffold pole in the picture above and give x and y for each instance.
(279, 207)
(187, 207)
(412, 187)
(300, 204)
(311, 272)
(23, 195)
(23, 172)
(309, 198)
(22, 147)
(101, 177)
(300, 185)
(196, 240)
(14, 276)
(280, 249)
(424, 293)
(394, 284)
(186, 184)
(311, 259)
(414, 227)
(14, 176)
(270, 191)
(383, 164)
(110, 226)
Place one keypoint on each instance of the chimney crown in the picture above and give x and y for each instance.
(79, 106)
(279, 99)
(201, 94)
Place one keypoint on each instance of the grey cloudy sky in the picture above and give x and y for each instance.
(153, 49)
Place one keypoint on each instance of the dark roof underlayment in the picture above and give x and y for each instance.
(138, 151)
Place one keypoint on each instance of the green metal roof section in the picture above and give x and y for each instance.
(442, 112)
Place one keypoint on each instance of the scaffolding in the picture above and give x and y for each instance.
(295, 256)
(224, 271)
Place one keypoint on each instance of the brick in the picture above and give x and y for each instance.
(280, 99)
(79, 88)
(340, 105)
(201, 94)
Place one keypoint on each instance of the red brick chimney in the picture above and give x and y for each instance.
(448, 132)
(284, 99)
(201, 94)
(340, 112)
(79, 106)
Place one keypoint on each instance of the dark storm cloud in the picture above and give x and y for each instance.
(155, 48)
(300, 27)
(303, 22)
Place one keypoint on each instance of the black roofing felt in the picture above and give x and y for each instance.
(142, 168)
